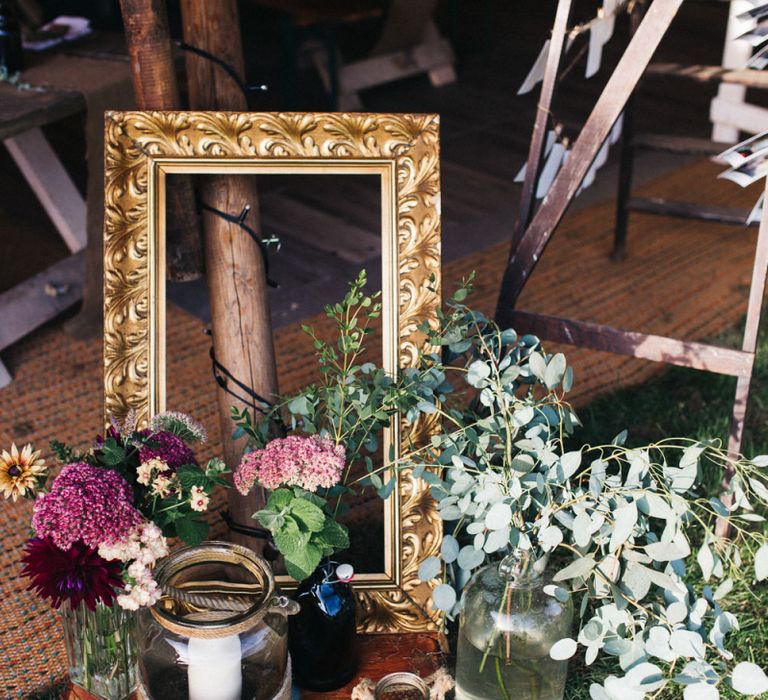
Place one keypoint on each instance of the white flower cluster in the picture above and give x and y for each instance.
(199, 499)
(143, 547)
(158, 474)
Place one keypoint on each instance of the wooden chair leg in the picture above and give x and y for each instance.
(5, 376)
(624, 190)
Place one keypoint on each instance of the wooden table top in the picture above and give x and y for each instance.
(380, 654)
(21, 109)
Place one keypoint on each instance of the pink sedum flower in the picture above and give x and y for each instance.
(86, 504)
(309, 462)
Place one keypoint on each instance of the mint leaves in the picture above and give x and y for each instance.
(302, 529)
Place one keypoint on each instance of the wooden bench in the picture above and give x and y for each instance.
(23, 113)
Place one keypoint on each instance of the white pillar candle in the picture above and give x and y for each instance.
(215, 671)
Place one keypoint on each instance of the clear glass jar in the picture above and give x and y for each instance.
(101, 649)
(506, 629)
(219, 632)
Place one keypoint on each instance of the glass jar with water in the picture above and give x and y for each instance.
(507, 627)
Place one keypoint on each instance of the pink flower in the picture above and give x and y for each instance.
(168, 447)
(308, 462)
(86, 504)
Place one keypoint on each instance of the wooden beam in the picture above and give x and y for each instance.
(735, 363)
(284, 215)
(691, 210)
(711, 74)
(741, 116)
(370, 72)
(40, 298)
(541, 124)
(749, 345)
(525, 256)
(51, 184)
(677, 144)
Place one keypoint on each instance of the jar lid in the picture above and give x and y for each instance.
(214, 590)
(401, 686)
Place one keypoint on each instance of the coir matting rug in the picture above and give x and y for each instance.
(682, 278)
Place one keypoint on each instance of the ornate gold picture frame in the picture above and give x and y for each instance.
(143, 148)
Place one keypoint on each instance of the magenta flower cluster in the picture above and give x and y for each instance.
(168, 447)
(88, 504)
(307, 462)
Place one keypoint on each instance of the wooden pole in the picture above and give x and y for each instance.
(237, 284)
(154, 82)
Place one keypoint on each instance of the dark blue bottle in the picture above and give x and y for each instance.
(322, 638)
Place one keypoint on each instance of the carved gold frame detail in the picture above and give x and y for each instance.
(142, 148)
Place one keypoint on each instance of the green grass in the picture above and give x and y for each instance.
(687, 403)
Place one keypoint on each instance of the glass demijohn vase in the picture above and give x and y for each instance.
(101, 649)
(507, 626)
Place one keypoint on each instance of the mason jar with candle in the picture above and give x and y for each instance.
(220, 631)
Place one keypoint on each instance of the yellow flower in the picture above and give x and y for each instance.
(20, 471)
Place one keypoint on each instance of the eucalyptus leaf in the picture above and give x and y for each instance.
(550, 537)
(624, 520)
(470, 558)
(723, 589)
(499, 516)
(582, 530)
(748, 678)
(706, 559)
(666, 551)
(688, 644)
(701, 691)
(478, 373)
(537, 365)
(555, 371)
(579, 568)
(761, 563)
(568, 379)
(570, 462)
(430, 568)
(563, 649)
(497, 540)
(449, 549)
(444, 597)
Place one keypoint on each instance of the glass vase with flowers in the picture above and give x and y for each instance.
(99, 528)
